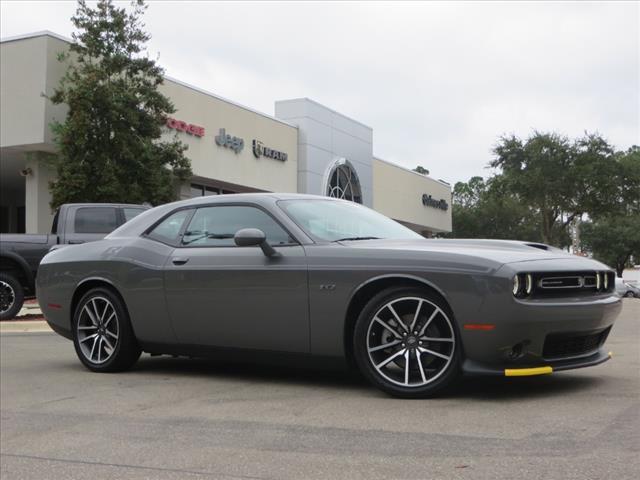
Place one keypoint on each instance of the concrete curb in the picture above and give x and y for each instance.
(24, 326)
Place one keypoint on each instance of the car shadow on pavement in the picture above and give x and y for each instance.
(296, 375)
(503, 388)
(481, 388)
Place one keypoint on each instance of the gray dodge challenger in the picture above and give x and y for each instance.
(300, 276)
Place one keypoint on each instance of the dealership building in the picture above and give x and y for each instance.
(303, 147)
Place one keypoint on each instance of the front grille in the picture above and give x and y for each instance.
(563, 282)
(558, 284)
(572, 345)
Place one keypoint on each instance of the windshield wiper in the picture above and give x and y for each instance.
(201, 235)
(356, 238)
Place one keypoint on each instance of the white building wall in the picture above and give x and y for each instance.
(212, 161)
(399, 191)
(22, 82)
(39, 216)
(325, 136)
(313, 136)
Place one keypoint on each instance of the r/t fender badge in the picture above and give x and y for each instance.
(328, 286)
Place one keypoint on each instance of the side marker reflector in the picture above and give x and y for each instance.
(54, 305)
(479, 326)
(527, 372)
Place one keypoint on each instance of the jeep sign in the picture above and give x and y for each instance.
(223, 139)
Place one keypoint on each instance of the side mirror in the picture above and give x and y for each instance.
(251, 237)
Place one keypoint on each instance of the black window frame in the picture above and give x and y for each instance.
(193, 208)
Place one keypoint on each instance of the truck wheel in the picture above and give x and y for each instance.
(11, 296)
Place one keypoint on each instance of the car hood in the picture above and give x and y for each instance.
(498, 251)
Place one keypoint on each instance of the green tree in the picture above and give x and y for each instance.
(559, 179)
(485, 209)
(614, 236)
(613, 241)
(421, 170)
(109, 146)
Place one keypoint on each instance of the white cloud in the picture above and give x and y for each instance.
(438, 82)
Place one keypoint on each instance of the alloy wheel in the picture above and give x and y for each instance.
(410, 342)
(98, 329)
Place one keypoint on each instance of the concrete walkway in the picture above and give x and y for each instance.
(21, 326)
(30, 307)
(29, 319)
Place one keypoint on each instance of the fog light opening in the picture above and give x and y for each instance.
(516, 351)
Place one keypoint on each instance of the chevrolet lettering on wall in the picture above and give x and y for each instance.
(223, 139)
(259, 150)
(429, 201)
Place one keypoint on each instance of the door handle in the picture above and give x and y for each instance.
(179, 260)
(75, 242)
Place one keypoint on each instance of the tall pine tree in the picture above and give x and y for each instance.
(109, 147)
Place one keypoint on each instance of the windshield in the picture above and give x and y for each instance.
(332, 220)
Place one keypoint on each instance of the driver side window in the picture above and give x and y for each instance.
(216, 226)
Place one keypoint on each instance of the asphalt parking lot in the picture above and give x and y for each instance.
(176, 418)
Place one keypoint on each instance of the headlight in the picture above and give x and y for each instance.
(606, 281)
(598, 280)
(516, 285)
(528, 285)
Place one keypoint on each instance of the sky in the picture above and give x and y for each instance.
(439, 83)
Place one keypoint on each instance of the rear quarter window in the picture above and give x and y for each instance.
(95, 220)
(168, 230)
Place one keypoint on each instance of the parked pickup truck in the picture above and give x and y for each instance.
(20, 254)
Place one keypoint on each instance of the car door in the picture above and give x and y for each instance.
(222, 295)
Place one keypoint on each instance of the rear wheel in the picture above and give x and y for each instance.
(11, 296)
(405, 343)
(102, 333)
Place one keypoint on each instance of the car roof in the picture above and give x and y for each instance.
(230, 197)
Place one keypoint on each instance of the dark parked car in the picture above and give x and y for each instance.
(20, 254)
(253, 274)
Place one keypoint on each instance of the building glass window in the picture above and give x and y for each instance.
(196, 190)
(130, 213)
(343, 182)
(204, 190)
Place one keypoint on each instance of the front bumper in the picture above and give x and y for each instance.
(536, 334)
(471, 367)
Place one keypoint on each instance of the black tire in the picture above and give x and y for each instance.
(11, 296)
(125, 351)
(427, 383)
(628, 294)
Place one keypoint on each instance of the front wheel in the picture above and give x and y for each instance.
(102, 333)
(406, 343)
